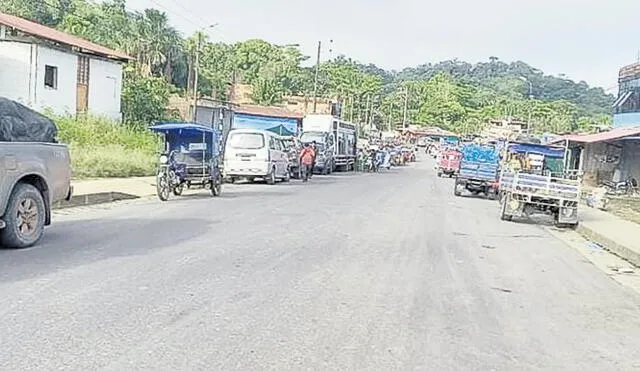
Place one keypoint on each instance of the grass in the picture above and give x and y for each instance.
(100, 148)
(627, 208)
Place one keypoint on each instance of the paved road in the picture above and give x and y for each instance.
(384, 272)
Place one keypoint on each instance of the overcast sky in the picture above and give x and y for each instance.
(584, 39)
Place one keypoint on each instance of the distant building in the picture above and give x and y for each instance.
(626, 108)
(44, 68)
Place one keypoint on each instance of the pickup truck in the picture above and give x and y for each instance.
(33, 176)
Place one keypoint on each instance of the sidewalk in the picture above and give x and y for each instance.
(140, 187)
(617, 235)
(98, 191)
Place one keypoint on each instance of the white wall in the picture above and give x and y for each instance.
(15, 71)
(63, 98)
(105, 88)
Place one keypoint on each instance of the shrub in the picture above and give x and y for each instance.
(101, 148)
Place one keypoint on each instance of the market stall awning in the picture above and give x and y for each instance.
(604, 136)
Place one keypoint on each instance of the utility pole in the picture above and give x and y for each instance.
(366, 110)
(351, 109)
(315, 79)
(196, 67)
(390, 116)
(404, 111)
(195, 77)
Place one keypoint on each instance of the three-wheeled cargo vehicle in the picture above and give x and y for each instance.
(191, 157)
(539, 183)
(449, 163)
(478, 170)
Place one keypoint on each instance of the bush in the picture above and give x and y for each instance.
(101, 148)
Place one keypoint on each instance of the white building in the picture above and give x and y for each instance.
(42, 68)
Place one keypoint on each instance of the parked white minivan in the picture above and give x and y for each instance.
(251, 154)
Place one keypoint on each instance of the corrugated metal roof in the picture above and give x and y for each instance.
(599, 137)
(60, 37)
(267, 111)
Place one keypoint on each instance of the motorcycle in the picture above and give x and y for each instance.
(625, 187)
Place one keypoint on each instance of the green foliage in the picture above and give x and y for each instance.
(452, 94)
(100, 148)
(144, 99)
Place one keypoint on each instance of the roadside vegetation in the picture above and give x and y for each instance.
(100, 148)
(627, 208)
(452, 94)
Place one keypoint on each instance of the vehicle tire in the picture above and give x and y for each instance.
(163, 189)
(503, 211)
(216, 186)
(178, 190)
(271, 177)
(24, 217)
(456, 190)
(287, 176)
(325, 170)
(492, 195)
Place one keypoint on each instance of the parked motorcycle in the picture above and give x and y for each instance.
(625, 187)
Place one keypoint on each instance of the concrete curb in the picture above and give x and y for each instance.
(94, 199)
(610, 245)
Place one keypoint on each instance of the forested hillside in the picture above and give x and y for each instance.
(451, 94)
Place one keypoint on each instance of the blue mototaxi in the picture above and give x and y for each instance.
(191, 157)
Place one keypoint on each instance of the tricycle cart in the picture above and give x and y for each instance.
(449, 163)
(541, 186)
(191, 157)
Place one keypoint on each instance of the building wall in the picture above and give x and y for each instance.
(626, 119)
(630, 164)
(15, 72)
(62, 99)
(105, 88)
(22, 74)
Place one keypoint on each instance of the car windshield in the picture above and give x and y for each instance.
(246, 140)
(310, 136)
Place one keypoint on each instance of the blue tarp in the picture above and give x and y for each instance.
(479, 162)
(480, 153)
(539, 149)
(280, 126)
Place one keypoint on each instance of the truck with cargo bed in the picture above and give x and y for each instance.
(35, 173)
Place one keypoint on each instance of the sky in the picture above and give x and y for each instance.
(582, 39)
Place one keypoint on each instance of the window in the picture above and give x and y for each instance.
(246, 140)
(51, 77)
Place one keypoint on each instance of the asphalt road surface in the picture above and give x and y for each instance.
(381, 271)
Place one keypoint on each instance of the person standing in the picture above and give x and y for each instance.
(307, 157)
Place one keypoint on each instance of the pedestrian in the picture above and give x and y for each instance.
(306, 161)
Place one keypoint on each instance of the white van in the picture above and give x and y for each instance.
(251, 153)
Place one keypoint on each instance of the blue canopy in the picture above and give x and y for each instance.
(186, 128)
(180, 136)
(539, 149)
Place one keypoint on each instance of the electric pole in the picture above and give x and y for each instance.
(315, 79)
(404, 111)
(195, 77)
(196, 67)
(351, 109)
(390, 116)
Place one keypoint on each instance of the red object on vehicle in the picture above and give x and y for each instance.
(449, 162)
